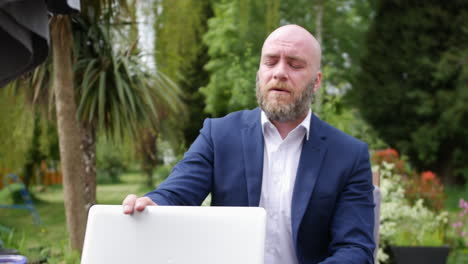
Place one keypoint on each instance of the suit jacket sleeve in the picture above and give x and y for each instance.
(353, 221)
(190, 181)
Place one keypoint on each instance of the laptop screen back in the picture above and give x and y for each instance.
(175, 235)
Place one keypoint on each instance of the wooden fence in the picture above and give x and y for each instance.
(46, 174)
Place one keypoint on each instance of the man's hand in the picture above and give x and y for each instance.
(132, 202)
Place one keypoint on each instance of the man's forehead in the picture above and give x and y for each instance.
(281, 43)
(288, 37)
(293, 47)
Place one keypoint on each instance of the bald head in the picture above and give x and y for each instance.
(297, 37)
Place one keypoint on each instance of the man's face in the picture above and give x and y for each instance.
(288, 76)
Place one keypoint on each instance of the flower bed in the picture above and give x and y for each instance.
(412, 211)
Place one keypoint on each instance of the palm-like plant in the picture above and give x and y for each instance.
(114, 92)
(117, 94)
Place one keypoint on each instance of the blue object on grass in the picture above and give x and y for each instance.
(28, 203)
(13, 259)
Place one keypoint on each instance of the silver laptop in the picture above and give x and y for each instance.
(175, 235)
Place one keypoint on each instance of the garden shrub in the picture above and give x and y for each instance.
(109, 169)
(411, 207)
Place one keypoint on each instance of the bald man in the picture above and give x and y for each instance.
(314, 181)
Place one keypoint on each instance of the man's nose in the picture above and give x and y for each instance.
(280, 72)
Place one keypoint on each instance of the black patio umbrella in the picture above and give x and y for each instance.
(24, 34)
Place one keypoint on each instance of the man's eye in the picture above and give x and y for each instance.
(269, 63)
(296, 65)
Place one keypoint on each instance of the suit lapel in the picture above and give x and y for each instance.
(313, 152)
(252, 144)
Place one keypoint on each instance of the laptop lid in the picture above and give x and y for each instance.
(175, 235)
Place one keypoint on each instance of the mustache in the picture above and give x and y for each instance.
(278, 85)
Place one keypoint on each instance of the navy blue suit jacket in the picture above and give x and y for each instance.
(332, 206)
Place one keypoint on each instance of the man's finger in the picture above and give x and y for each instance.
(142, 202)
(129, 203)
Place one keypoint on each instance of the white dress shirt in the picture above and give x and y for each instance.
(280, 162)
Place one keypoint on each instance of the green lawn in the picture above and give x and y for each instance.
(51, 239)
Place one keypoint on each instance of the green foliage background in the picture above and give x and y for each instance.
(412, 86)
(402, 63)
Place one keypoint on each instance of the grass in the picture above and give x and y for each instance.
(51, 238)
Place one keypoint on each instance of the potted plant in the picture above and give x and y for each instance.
(412, 230)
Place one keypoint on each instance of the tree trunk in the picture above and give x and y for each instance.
(69, 132)
(34, 155)
(318, 34)
(149, 177)
(88, 145)
(445, 170)
(149, 152)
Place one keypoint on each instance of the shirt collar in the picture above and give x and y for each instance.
(305, 123)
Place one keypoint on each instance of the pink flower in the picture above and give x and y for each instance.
(463, 203)
(457, 224)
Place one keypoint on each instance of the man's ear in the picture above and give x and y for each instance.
(317, 81)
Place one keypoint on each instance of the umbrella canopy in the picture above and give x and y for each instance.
(24, 34)
(63, 6)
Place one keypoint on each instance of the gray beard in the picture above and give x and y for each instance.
(286, 112)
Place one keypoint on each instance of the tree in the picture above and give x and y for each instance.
(34, 154)
(318, 35)
(15, 129)
(234, 39)
(117, 93)
(343, 27)
(411, 88)
(181, 54)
